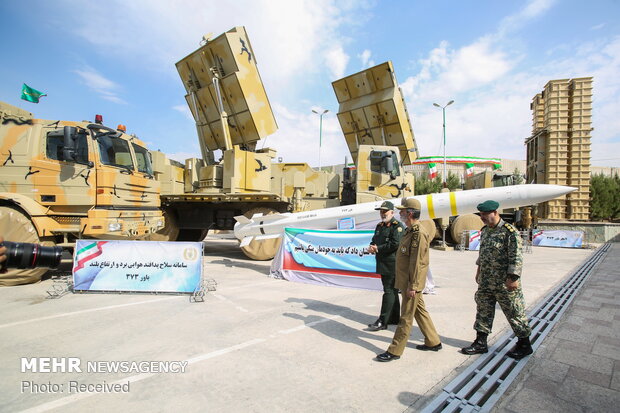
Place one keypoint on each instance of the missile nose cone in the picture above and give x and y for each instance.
(559, 190)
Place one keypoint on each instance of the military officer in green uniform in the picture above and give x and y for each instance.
(412, 259)
(498, 277)
(384, 244)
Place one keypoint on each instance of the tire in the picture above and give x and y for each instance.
(467, 222)
(430, 227)
(170, 231)
(15, 226)
(266, 249)
(193, 235)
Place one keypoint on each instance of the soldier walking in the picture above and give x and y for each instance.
(412, 260)
(498, 277)
(384, 244)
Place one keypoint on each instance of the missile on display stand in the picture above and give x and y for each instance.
(442, 205)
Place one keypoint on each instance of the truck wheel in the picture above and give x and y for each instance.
(170, 231)
(261, 250)
(467, 222)
(430, 227)
(193, 235)
(17, 227)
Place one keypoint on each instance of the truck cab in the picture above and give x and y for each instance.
(76, 179)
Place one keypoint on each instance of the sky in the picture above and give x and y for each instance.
(117, 59)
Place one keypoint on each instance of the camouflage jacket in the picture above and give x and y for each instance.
(500, 252)
(386, 238)
(412, 259)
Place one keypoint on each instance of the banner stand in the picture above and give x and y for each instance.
(205, 286)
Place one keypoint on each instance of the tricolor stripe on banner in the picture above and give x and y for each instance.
(88, 253)
(473, 236)
(456, 159)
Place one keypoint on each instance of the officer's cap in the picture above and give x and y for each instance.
(488, 206)
(386, 206)
(410, 203)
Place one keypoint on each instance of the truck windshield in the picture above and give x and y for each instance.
(143, 158)
(384, 162)
(115, 152)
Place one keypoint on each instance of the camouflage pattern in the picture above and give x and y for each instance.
(376, 127)
(103, 187)
(372, 111)
(387, 237)
(229, 104)
(85, 197)
(248, 115)
(500, 256)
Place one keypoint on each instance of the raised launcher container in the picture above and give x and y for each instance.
(372, 111)
(250, 118)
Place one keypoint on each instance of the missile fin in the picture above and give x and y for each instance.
(245, 241)
(267, 236)
(272, 217)
(242, 219)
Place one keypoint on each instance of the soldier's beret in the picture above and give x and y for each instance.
(386, 206)
(410, 203)
(488, 206)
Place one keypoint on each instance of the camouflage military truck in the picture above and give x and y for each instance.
(62, 180)
(376, 127)
(232, 113)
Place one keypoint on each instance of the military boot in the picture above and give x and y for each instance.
(479, 346)
(521, 349)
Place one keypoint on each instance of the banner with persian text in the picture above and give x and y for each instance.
(334, 258)
(557, 238)
(137, 266)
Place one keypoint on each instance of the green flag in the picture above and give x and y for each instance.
(30, 94)
(497, 166)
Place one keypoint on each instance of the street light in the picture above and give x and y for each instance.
(443, 109)
(320, 131)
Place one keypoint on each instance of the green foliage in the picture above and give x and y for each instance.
(518, 177)
(604, 197)
(424, 185)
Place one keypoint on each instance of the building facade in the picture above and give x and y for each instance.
(558, 151)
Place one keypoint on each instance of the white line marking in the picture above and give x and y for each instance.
(90, 310)
(238, 307)
(313, 323)
(138, 377)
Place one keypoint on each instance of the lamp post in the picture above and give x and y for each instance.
(320, 131)
(443, 109)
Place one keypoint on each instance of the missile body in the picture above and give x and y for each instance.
(440, 205)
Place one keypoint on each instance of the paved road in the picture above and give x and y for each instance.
(257, 344)
(577, 367)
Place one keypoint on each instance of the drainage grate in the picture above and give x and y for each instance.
(481, 385)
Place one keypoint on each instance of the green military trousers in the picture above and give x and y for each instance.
(413, 308)
(390, 303)
(511, 303)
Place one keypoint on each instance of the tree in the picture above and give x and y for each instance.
(424, 185)
(604, 197)
(518, 177)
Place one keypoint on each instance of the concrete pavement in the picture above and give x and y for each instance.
(256, 344)
(577, 366)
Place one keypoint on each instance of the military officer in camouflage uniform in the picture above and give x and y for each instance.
(384, 244)
(412, 259)
(498, 278)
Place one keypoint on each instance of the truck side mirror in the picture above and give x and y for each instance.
(70, 143)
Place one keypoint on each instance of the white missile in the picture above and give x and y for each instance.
(440, 205)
